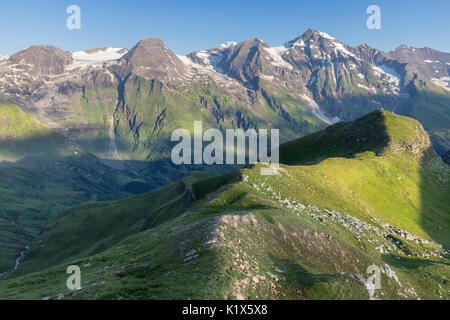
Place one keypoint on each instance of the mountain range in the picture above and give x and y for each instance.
(87, 177)
(300, 87)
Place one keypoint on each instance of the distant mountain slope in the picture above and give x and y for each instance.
(42, 172)
(433, 64)
(22, 135)
(310, 232)
(134, 99)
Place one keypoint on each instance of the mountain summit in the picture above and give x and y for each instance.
(432, 64)
(151, 58)
(45, 60)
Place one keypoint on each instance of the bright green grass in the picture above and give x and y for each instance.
(266, 251)
(290, 257)
(34, 191)
(22, 135)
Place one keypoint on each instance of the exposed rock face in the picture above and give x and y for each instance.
(433, 64)
(246, 61)
(307, 83)
(45, 60)
(152, 59)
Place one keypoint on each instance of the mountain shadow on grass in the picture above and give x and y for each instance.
(299, 284)
(435, 197)
(412, 263)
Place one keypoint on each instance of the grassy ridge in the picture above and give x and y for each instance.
(309, 232)
(94, 227)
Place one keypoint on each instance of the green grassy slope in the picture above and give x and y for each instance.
(93, 227)
(144, 113)
(21, 135)
(308, 232)
(429, 104)
(34, 191)
(42, 173)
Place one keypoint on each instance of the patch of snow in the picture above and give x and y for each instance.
(340, 47)
(443, 82)
(214, 56)
(373, 90)
(326, 36)
(390, 75)
(315, 109)
(203, 56)
(266, 77)
(227, 45)
(276, 54)
(110, 75)
(333, 71)
(2, 57)
(85, 59)
(295, 43)
(299, 44)
(206, 67)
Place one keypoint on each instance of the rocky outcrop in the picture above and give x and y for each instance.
(432, 64)
(152, 59)
(44, 60)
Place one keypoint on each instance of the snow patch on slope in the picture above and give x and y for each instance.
(341, 48)
(207, 67)
(315, 109)
(326, 35)
(443, 82)
(389, 74)
(85, 59)
(276, 54)
(373, 90)
(227, 45)
(210, 58)
(295, 43)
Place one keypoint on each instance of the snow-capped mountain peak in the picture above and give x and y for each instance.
(227, 45)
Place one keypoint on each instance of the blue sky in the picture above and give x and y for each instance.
(186, 25)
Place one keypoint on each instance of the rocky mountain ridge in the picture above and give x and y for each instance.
(300, 87)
